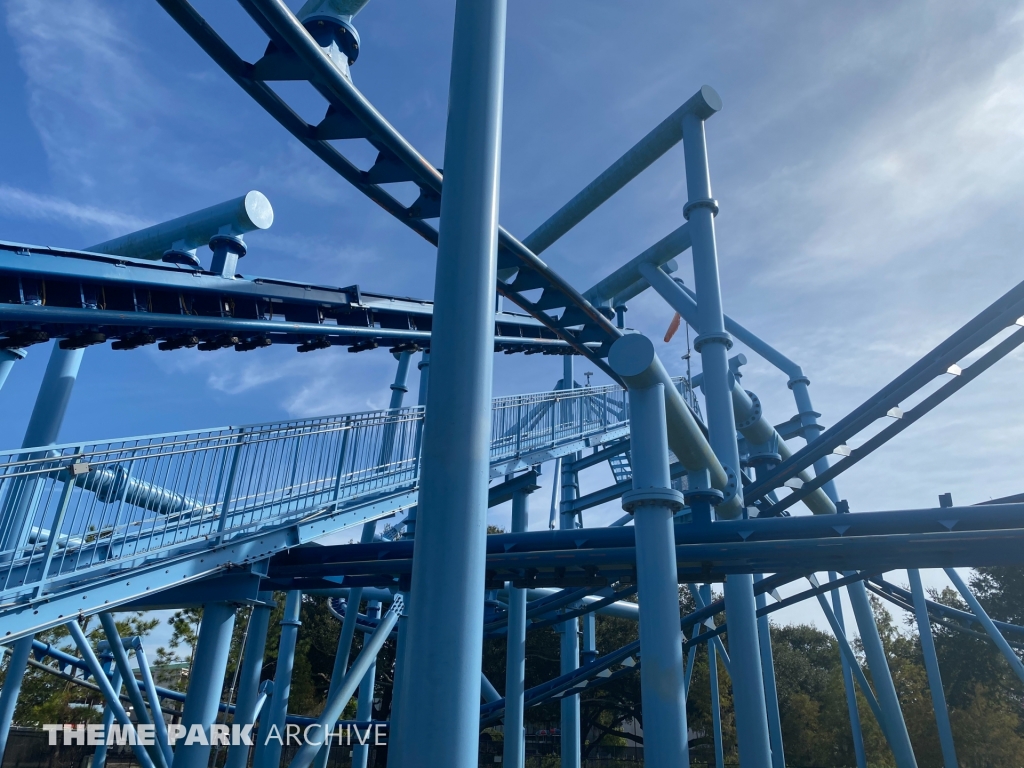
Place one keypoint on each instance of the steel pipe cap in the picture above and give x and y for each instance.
(705, 102)
(258, 210)
(631, 355)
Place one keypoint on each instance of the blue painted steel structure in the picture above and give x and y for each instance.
(223, 517)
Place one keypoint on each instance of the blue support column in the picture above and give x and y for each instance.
(16, 666)
(716, 701)
(851, 693)
(514, 747)
(209, 665)
(249, 676)
(653, 502)
(439, 720)
(8, 357)
(895, 726)
(268, 751)
(713, 343)
(931, 666)
(569, 648)
(771, 693)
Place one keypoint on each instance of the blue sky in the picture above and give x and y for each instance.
(868, 161)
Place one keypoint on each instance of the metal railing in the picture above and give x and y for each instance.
(70, 511)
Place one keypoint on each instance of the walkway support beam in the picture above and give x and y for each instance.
(438, 719)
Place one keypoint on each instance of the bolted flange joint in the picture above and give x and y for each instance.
(652, 497)
(755, 412)
(719, 337)
(232, 243)
(712, 496)
(711, 204)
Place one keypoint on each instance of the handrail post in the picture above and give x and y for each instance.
(230, 485)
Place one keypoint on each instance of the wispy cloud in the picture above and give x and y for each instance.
(85, 86)
(29, 205)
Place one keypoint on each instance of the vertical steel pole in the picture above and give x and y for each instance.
(249, 677)
(771, 693)
(716, 702)
(209, 666)
(440, 725)
(570, 640)
(713, 344)
(653, 503)
(364, 704)
(885, 689)
(268, 751)
(851, 692)
(410, 533)
(514, 747)
(931, 666)
(16, 667)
